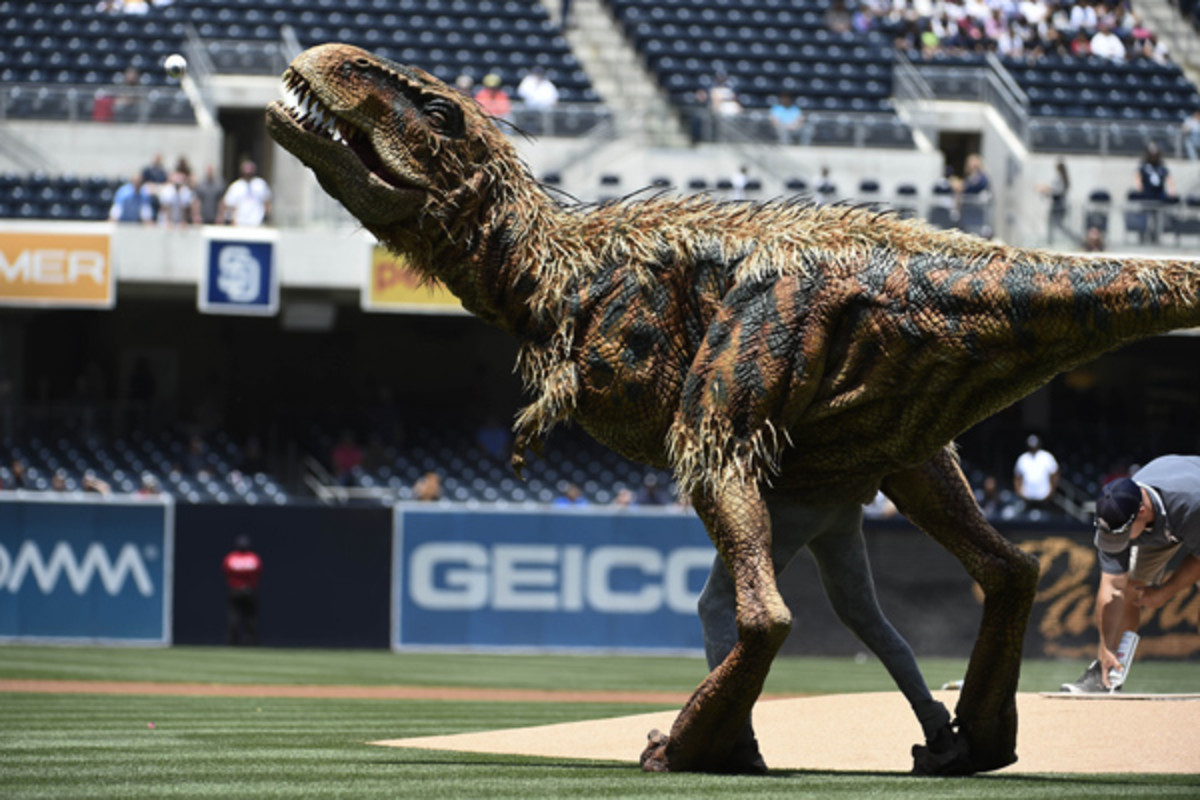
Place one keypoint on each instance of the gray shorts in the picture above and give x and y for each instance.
(1150, 565)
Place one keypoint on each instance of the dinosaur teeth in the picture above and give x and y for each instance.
(311, 113)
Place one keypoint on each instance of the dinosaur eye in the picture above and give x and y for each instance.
(443, 117)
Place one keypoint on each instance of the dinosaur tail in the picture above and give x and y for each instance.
(1062, 310)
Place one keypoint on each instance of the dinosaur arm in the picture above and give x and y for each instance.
(755, 371)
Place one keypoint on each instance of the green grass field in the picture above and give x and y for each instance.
(67, 746)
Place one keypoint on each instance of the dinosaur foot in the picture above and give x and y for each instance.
(743, 760)
(949, 753)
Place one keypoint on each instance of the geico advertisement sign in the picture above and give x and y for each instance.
(548, 579)
(59, 269)
(469, 576)
(30, 566)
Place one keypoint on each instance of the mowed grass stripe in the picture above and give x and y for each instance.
(553, 672)
(92, 746)
(101, 747)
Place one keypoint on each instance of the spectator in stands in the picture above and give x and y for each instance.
(178, 204)
(19, 479)
(988, 497)
(571, 495)
(149, 486)
(1191, 135)
(196, 457)
(652, 493)
(1083, 17)
(154, 177)
(209, 193)
(1035, 475)
(154, 173)
(428, 488)
(243, 572)
(95, 484)
(1155, 184)
(132, 202)
(1080, 45)
(624, 497)
(788, 120)
(103, 106)
(1056, 190)
(345, 458)
(838, 18)
(1105, 43)
(739, 182)
(975, 181)
(247, 201)
(537, 91)
(824, 190)
(722, 98)
(493, 98)
(1152, 48)
(971, 196)
(465, 84)
(128, 96)
(58, 481)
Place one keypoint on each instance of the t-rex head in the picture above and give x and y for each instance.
(402, 151)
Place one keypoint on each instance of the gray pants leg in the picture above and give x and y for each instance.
(846, 575)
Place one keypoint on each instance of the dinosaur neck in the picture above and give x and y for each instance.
(510, 257)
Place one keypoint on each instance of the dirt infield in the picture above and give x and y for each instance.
(851, 732)
(341, 692)
(874, 732)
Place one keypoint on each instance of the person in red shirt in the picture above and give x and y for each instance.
(242, 568)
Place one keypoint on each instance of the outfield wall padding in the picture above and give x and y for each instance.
(325, 580)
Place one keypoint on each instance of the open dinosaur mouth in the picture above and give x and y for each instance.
(307, 111)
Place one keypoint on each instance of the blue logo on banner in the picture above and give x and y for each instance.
(240, 278)
(84, 571)
(556, 580)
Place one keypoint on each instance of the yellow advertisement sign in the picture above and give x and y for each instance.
(63, 270)
(392, 285)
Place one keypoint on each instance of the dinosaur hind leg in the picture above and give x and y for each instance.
(704, 735)
(936, 497)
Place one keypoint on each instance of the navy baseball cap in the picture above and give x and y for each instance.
(1116, 507)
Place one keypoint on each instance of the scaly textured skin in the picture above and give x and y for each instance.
(757, 349)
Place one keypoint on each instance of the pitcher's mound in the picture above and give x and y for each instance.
(875, 732)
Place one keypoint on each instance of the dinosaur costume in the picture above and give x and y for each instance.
(785, 360)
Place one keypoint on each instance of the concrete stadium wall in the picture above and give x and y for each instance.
(114, 149)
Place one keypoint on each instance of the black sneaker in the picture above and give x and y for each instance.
(1091, 683)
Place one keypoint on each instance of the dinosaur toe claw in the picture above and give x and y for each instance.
(654, 757)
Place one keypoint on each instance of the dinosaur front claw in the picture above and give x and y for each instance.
(745, 758)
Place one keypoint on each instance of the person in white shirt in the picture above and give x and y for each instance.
(177, 203)
(247, 201)
(1035, 476)
(1107, 44)
(537, 91)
